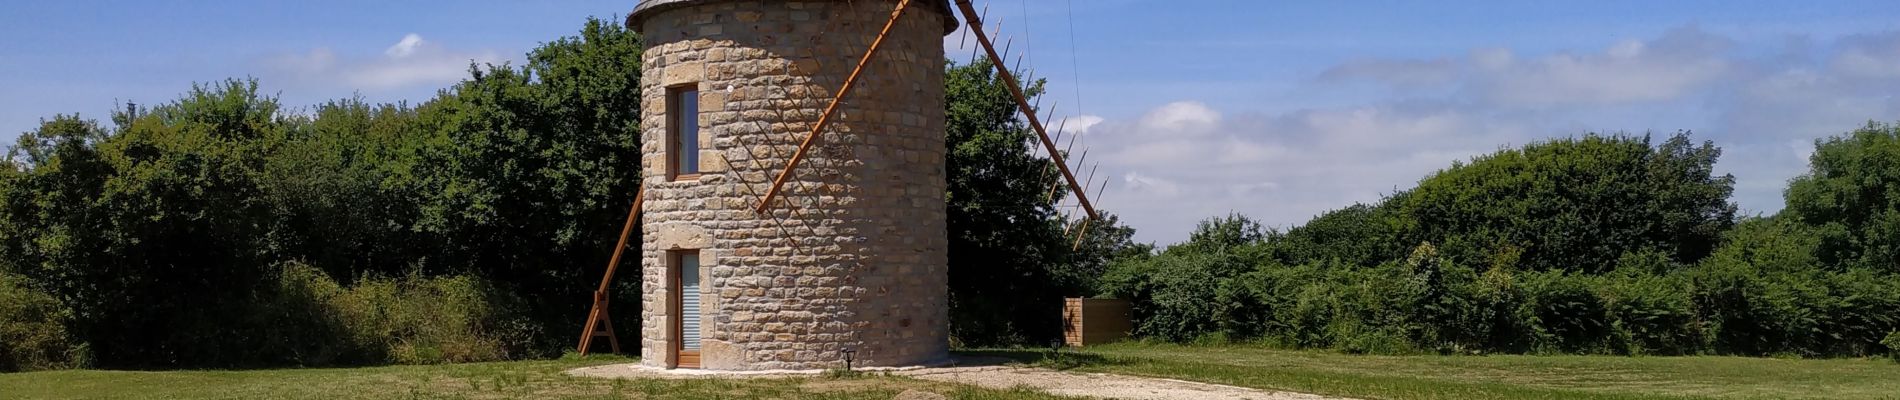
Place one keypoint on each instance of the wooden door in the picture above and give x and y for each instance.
(686, 298)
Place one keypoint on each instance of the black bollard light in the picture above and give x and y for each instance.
(1055, 351)
(847, 358)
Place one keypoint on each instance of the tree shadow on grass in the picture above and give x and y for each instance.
(1063, 359)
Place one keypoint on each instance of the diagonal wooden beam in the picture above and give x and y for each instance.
(825, 119)
(633, 216)
(598, 316)
(996, 60)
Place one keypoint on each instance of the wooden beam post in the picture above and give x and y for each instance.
(825, 119)
(598, 321)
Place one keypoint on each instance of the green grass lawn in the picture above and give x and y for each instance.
(1492, 377)
(1372, 377)
(502, 380)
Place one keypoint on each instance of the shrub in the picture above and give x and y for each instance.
(1184, 296)
(1376, 310)
(1496, 296)
(1563, 313)
(1893, 345)
(1776, 244)
(32, 330)
(1303, 306)
(1445, 315)
(411, 319)
(1749, 311)
(1651, 314)
(1794, 308)
(302, 326)
(1723, 293)
(1860, 313)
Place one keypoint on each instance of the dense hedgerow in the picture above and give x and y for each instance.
(1598, 245)
(1708, 308)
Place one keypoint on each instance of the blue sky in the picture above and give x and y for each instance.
(1279, 110)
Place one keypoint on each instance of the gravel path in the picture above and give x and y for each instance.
(1106, 386)
(1096, 385)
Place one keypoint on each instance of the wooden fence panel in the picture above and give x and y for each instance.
(1094, 321)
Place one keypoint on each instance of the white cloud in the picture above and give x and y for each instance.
(1628, 71)
(1251, 189)
(405, 47)
(1136, 182)
(1183, 162)
(1763, 103)
(1870, 56)
(412, 61)
(1184, 117)
(1410, 74)
(1769, 117)
(1078, 125)
(1493, 59)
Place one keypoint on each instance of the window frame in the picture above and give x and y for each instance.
(676, 134)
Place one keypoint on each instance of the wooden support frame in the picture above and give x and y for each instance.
(818, 129)
(599, 321)
(976, 27)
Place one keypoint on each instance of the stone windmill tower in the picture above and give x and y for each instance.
(751, 264)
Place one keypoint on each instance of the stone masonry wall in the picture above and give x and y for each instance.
(853, 253)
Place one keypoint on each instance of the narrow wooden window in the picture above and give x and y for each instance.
(682, 132)
(686, 301)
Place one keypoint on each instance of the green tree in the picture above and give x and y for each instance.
(325, 179)
(1222, 234)
(1362, 234)
(161, 234)
(1195, 288)
(1101, 244)
(1011, 261)
(154, 233)
(1574, 204)
(1851, 194)
(525, 174)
